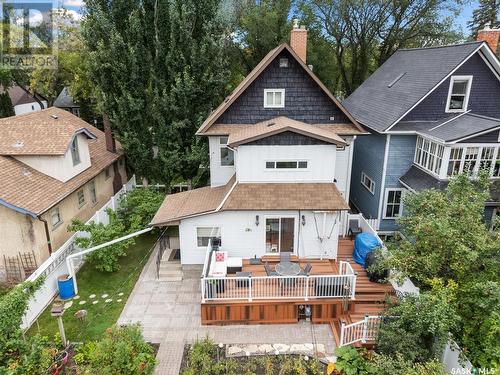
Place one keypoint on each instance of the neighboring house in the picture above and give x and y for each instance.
(65, 101)
(280, 163)
(54, 167)
(433, 113)
(24, 102)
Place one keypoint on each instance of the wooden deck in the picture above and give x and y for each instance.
(369, 297)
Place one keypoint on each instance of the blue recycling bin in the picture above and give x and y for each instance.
(66, 287)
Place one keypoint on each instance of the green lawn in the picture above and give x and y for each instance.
(90, 281)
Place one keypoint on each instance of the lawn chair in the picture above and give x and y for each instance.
(307, 270)
(354, 228)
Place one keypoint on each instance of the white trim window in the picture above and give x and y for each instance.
(81, 197)
(55, 218)
(226, 154)
(280, 234)
(368, 182)
(286, 164)
(204, 234)
(75, 153)
(393, 203)
(458, 94)
(429, 155)
(93, 192)
(274, 98)
(471, 159)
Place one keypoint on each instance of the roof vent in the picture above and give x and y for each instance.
(396, 80)
(55, 117)
(271, 124)
(26, 172)
(18, 144)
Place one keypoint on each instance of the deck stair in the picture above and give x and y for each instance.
(170, 269)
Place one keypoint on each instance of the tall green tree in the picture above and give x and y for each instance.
(159, 68)
(486, 13)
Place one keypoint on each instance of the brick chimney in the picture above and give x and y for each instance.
(298, 39)
(490, 36)
(108, 134)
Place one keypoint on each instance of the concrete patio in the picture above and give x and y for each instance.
(169, 313)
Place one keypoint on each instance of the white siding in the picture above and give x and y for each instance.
(21, 109)
(61, 167)
(251, 161)
(219, 174)
(242, 238)
(343, 168)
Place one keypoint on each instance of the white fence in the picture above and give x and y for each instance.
(362, 331)
(366, 225)
(55, 265)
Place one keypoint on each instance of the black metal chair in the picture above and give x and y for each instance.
(269, 272)
(307, 270)
(354, 228)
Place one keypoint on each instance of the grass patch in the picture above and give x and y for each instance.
(91, 281)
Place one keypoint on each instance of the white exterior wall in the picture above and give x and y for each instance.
(242, 238)
(60, 167)
(21, 109)
(343, 169)
(219, 174)
(251, 161)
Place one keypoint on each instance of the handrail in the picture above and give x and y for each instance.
(361, 331)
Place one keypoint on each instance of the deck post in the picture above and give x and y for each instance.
(342, 327)
(353, 280)
(202, 289)
(250, 288)
(365, 329)
(306, 294)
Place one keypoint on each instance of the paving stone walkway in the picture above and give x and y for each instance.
(169, 313)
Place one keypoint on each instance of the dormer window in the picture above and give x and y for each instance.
(458, 94)
(274, 98)
(226, 154)
(75, 154)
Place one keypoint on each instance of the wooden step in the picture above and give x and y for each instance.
(335, 327)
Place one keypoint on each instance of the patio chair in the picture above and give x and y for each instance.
(269, 272)
(307, 270)
(285, 257)
(354, 228)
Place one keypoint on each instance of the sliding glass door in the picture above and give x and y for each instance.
(280, 234)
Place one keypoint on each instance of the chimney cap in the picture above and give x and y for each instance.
(295, 23)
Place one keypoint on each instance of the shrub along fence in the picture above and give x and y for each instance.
(55, 265)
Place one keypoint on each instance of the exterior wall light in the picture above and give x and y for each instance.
(303, 219)
(257, 220)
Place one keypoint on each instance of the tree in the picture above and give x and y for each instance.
(364, 34)
(159, 69)
(486, 13)
(138, 207)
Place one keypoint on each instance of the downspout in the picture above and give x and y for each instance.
(47, 233)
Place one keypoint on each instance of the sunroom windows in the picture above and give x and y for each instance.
(429, 155)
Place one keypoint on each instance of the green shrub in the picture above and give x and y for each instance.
(138, 207)
(122, 351)
(352, 362)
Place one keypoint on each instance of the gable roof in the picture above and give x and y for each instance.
(279, 125)
(45, 132)
(65, 100)
(259, 68)
(407, 77)
(19, 96)
(26, 190)
(451, 129)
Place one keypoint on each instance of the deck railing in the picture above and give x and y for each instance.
(277, 287)
(362, 331)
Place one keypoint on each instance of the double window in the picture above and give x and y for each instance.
(204, 234)
(75, 154)
(280, 234)
(458, 94)
(368, 182)
(393, 203)
(274, 98)
(292, 164)
(226, 154)
(470, 160)
(429, 155)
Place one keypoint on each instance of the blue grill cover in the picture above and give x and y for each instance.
(363, 244)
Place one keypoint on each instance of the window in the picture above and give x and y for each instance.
(458, 94)
(487, 157)
(367, 182)
(81, 198)
(470, 160)
(292, 164)
(393, 203)
(76, 111)
(107, 173)
(204, 234)
(280, 234)
(471, 154)
(283, 62)
(429, 155)
(93, 193)
(75, 155)
(55, 218)
(274, 98)
(226, 154)
(454, 161)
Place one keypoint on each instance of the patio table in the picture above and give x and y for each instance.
(288, 269)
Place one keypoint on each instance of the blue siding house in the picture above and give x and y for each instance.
(432, 113)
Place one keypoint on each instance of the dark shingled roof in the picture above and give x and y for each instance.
(378, 106)
(418, 180)
(451, 128)
(65, 100)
